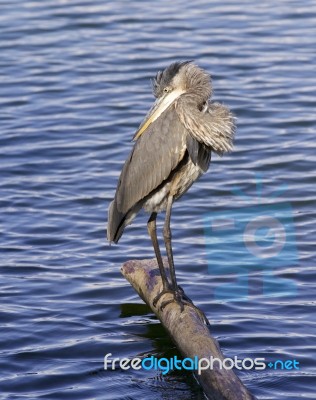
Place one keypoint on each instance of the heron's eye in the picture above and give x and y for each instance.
(167, 89)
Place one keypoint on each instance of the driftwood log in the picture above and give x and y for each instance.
(188, 331)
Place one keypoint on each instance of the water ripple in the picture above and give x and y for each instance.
(75, 84)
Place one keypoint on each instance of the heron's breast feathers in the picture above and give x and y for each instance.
(214, 125)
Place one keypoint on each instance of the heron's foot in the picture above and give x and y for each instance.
(159, 295)
(182, 299)
(184, 296)
(190, 303)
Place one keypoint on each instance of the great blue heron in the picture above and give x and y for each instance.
(172, 150)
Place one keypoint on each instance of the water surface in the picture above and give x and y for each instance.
(74, 86)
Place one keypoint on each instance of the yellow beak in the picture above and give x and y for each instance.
(157, 109)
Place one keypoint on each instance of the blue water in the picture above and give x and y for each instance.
(74, 86)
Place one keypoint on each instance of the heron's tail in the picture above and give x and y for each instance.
(116, 224)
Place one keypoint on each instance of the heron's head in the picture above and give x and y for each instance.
(184, 77)
(176, 80)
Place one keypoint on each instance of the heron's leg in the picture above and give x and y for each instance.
(167, 238)
(179, 296)
(151, 226)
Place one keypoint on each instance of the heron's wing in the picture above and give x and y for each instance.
(199, 153)
(155, 155)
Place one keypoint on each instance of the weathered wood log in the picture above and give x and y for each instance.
(188, 331)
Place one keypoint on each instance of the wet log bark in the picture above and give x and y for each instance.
(188, 331)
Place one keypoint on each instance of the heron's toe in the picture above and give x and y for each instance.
(177, 297)
(159, 295)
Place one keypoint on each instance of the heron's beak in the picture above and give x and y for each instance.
(157, 109)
